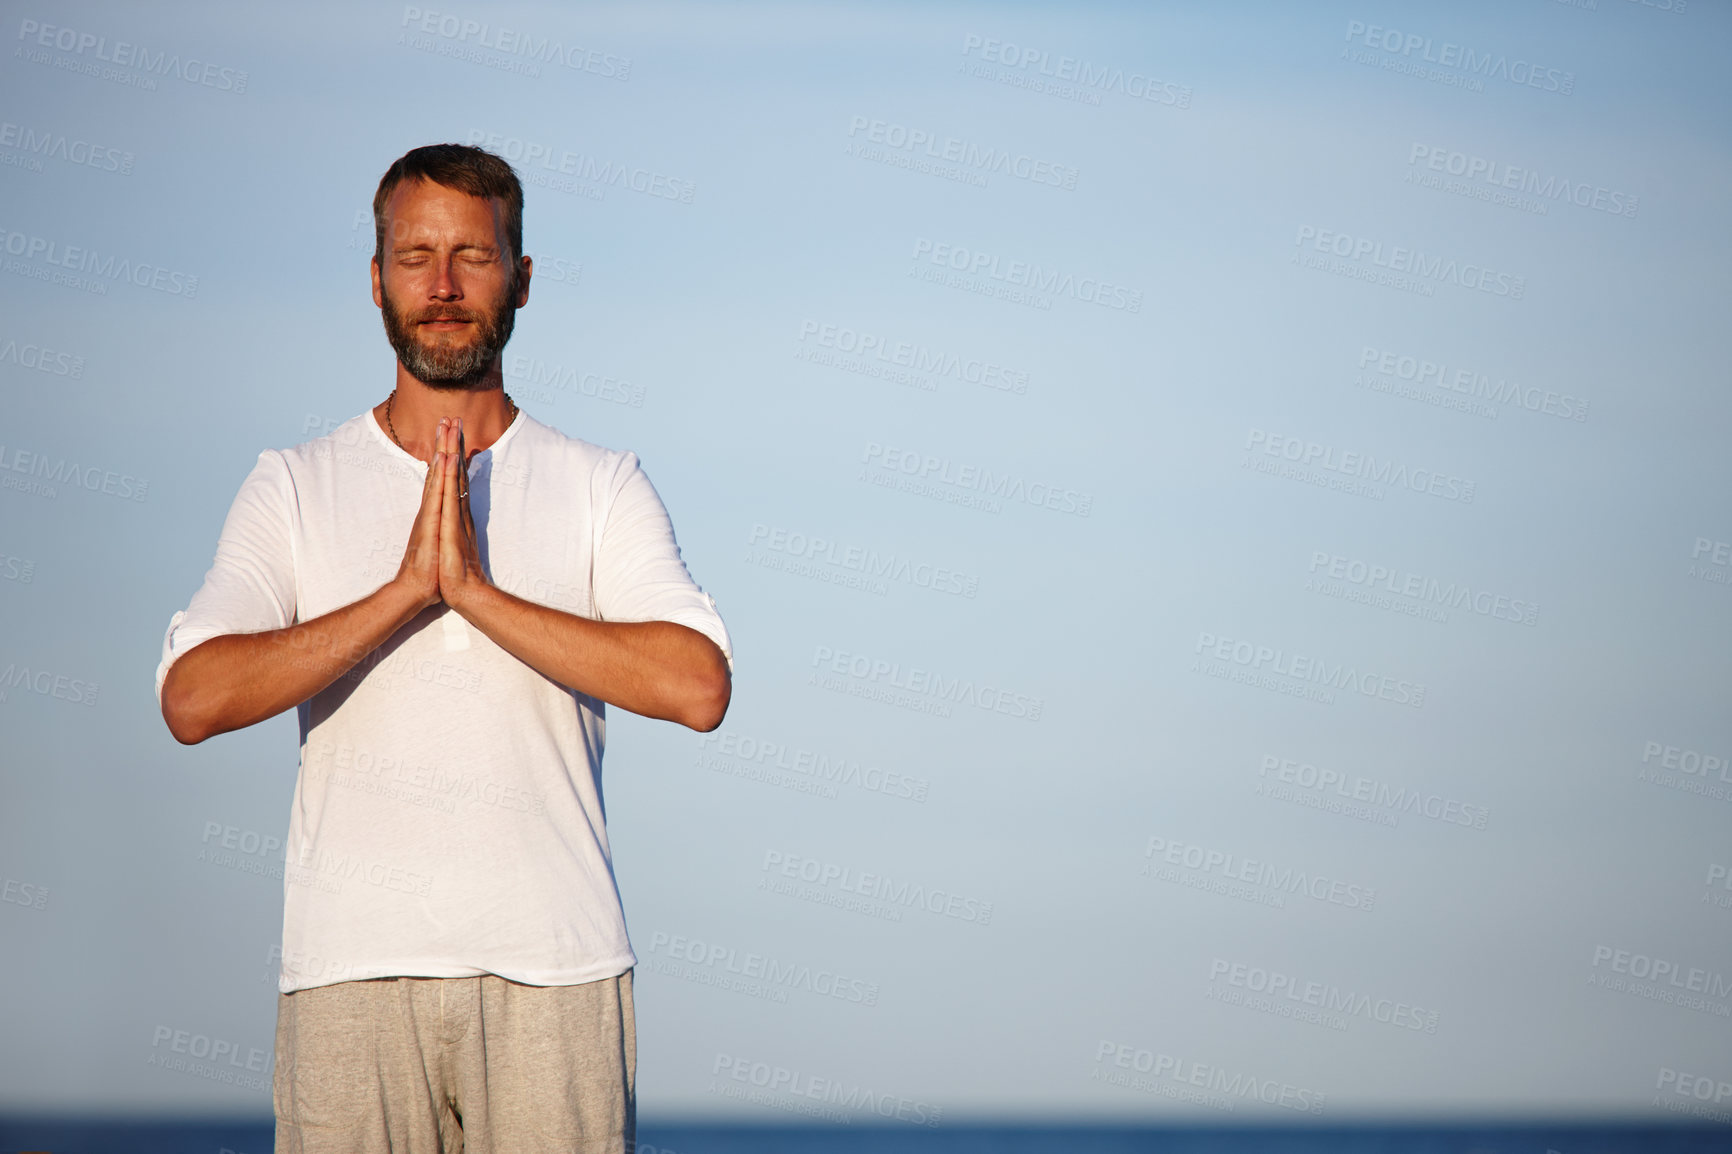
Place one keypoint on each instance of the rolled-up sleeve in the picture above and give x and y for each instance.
(639, 574)
(250, 587)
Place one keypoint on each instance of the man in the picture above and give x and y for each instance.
(448, 591)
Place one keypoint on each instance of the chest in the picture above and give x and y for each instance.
(535, 536)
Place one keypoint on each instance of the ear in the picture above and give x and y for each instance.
(525, 267)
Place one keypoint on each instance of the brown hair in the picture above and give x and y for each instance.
(465, 169)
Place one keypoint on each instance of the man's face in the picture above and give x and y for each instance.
(446, 286)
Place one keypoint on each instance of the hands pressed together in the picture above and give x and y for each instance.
(655, 668)
(442, 561)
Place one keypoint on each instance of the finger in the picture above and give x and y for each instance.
(449, 523)
(468, 515)
(462, 469)
(427, 519)
(453, 463)
(466, 521)
(432, 473)
(454, 547)
(431, 492)
(438, 444)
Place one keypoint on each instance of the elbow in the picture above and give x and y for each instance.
(709, 703)
(183, 719)
(183, 729)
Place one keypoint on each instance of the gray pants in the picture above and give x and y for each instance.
(448, 1065)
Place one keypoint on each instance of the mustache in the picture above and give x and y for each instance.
(445, 313)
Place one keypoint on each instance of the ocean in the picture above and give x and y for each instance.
(253, 1136)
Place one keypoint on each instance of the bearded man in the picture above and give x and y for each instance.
(455, 968)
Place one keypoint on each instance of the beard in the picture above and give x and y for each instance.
(443, 360)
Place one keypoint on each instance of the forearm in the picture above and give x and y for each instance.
(655, 668)
(239, 679)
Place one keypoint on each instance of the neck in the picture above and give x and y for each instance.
(415, 409)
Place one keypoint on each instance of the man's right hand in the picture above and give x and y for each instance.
(239, 679)
(418, 576)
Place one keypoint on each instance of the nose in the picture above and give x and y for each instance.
(444, 287)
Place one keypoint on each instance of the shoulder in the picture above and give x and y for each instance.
(353, 451)
(547, 447)
(611, 482)
(359, 434)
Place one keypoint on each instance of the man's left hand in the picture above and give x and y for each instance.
(654, 668)
(460, 572)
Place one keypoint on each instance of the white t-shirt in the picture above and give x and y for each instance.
(447, 817)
